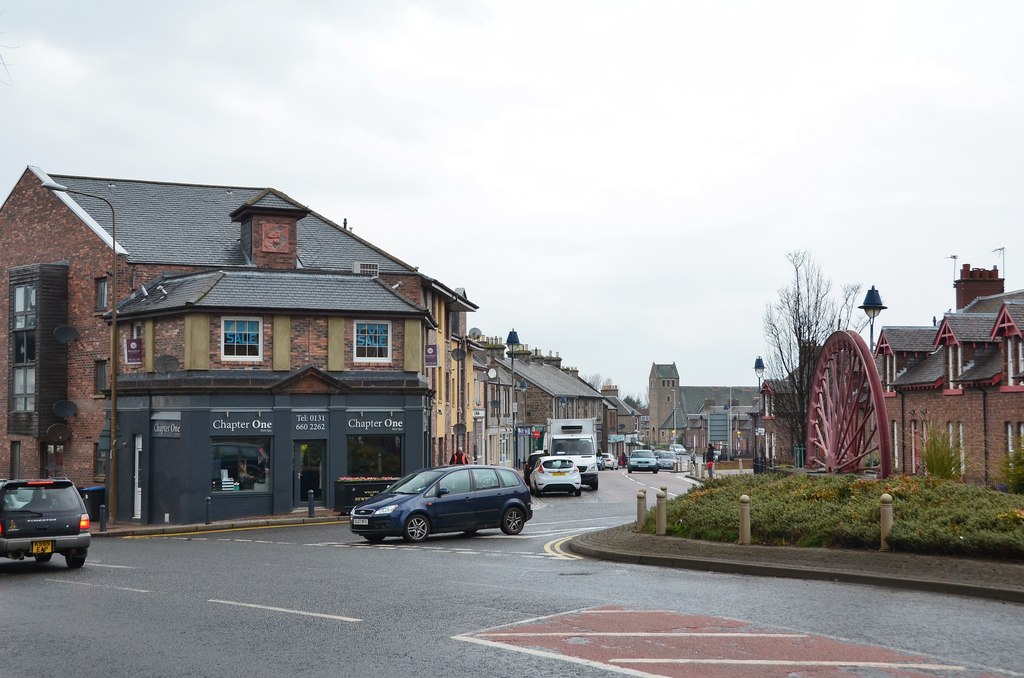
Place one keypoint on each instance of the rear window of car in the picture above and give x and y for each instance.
(40, 498)
(558, 464)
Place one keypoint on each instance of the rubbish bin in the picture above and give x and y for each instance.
(94, 497)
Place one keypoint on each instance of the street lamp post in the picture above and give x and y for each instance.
(872, 306)
(111, 465)
(513, 342)
(760, 463)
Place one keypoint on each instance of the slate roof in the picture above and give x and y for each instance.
(691, 398)
(987, 364)
(675, 420)
(991, 304)
(551, 379)
(168, 223)
(665, 371)
(909, 339)
(926, 372)
(266, 289)
(971, 327)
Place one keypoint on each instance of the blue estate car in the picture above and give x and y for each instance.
(446, 499)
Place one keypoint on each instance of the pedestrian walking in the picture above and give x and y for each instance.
(709, 459)
(459, 457)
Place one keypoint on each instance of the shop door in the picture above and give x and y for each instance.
(136, 482)
(308, 465)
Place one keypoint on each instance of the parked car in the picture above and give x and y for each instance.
(448, 499)
(531, 462)
(642, 460)
(677, 449)
(666, 459)
(41, 517)
(555, 473)
(608, 461)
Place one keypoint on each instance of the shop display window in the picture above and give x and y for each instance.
(240, 465)
(375, 456)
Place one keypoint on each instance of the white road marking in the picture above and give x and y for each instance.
(644, 634)
(99, 586)
(794, 662)
(286, 610)
(621, 670)
(112, 567)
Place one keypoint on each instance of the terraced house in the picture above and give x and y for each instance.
(261, 350)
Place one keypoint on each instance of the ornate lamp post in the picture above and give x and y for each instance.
(760, 463)
(872, 306)
(513, 343)
(111, 463)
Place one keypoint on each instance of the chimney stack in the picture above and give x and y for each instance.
(975, 283)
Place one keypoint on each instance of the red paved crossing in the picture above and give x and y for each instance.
(665, 643)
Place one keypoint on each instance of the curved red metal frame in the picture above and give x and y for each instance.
(846, 424)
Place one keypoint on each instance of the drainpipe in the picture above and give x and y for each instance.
(903, 430)
(984, 429)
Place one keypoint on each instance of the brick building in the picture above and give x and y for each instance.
(964, 374)
(262, 350)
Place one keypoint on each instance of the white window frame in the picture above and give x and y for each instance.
(245, 358)
(355, 343)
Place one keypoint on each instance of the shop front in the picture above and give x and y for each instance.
(219, 457)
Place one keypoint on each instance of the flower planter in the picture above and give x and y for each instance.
(348, 493)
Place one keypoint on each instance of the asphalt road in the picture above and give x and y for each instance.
(316, 600)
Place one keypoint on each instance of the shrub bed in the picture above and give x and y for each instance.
(931, 515)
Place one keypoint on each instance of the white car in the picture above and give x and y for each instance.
(555, 474)
(608, 461)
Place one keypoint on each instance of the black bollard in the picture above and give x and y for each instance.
(103, 517)
(208, 501)
(309, 498)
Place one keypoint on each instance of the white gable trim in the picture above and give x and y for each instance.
(68, 200)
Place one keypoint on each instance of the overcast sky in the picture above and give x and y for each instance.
(619, 181)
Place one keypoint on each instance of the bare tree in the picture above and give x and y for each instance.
(795, 328)
(595, 380)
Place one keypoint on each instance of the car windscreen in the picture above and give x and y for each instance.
(415, 483)
(666, 455)
(572, 446)
(646, 454)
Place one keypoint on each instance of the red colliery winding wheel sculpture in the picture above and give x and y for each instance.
(846, 425)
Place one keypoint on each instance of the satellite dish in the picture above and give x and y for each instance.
(65, 408)
(58, 433)
(166, 364)
(492, 373)
(65, 334)
(475, 333)
(460, 429)
(458, 354)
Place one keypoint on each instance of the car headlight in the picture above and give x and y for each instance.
(386, 510)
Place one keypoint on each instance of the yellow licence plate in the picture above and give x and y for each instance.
(41, 547)
(558, 473)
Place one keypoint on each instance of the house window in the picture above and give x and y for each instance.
(242, 338)
(373, 342)
(100, 376)
(101, 294)
(23, 370)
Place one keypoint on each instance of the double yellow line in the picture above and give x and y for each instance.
(554, 548)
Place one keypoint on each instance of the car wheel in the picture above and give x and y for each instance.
(629, 470)
(45, 558)
(533, 490)
(74, 562)
(374, 538)
(513, 520)
(577, 491)
(417, 527)
(593, 485)
(655, 470)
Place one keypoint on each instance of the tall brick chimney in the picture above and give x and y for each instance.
(977, 282)
(269, 229)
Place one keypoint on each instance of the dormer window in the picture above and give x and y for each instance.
(366, 268)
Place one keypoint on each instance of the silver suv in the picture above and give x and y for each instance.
(41, 517)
